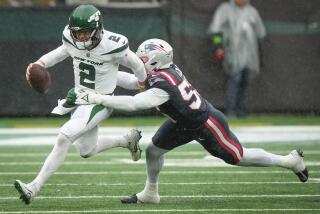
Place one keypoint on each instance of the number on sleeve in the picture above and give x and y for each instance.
(190, 95)
(114, 38)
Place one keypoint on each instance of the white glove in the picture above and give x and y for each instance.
(85, 97)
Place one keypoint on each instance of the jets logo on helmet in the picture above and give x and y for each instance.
(95, 17)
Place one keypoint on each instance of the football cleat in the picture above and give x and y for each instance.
(299, 167)
(26, 195)
(133, 199)
(141, 198)
(133, 138)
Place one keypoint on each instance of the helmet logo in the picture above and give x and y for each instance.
(151, 47)
(95, 16)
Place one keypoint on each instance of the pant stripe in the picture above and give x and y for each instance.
(229, 139)
(226, 143)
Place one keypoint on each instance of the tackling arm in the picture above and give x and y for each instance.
(144, 100)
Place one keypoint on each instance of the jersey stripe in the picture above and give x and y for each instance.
(225, 141)
(171, 79)
(65, 39)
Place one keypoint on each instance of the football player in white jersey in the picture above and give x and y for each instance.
(96, 55)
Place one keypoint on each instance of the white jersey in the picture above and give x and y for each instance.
(97, 69)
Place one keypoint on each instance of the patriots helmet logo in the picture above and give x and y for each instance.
(151, 47)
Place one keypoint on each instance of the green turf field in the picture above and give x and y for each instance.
(95, 185)
(190, 182)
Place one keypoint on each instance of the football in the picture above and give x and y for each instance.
(39, 78)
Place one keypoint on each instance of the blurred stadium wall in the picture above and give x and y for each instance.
(289, 82)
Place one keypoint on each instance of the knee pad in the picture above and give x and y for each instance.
(74, 128)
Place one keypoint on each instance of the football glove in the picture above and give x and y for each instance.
(85, 97)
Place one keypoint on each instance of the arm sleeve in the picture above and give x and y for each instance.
(54, 56)
(132, 61)
(144, 100)
(218, 20)
(127, 81)
(259, 26)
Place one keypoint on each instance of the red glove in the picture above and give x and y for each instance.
(219, 55)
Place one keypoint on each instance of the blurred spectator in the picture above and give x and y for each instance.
(26, 3)
(237, 32)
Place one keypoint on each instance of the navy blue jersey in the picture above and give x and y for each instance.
(185, 106)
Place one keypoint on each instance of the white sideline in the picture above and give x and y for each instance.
(272, 210)
(260, 134)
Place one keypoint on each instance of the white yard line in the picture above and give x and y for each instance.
(261, 134)
(310, 181)
(173, 196)
(271, 210)
(168, 162)
(120, 154)
(203, 172)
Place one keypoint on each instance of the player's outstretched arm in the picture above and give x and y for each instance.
(127, 81)
(144, 100)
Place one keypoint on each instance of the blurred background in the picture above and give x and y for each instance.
(288, 83)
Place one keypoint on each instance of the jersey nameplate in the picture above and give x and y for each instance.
(88, 61)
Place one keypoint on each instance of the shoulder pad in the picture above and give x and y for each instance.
(114, 42)
(155, 78)
(66, 37)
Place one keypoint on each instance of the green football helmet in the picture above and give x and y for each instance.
(86, 18)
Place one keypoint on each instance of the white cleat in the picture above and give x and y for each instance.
(26, 194)
(299, 168)
(133, 138)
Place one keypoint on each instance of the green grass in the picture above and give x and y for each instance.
(252, 120)
(197, 189)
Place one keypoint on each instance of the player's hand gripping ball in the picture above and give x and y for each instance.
(38, 78)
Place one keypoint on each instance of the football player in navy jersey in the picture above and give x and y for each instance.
(190, 117)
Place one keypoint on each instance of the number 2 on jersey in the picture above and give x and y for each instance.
(88, 72)
(189, 94)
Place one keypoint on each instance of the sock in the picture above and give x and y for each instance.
(54, 160)
(149, 189)
(154, 159)
(260, 157)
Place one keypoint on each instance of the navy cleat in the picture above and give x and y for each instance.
(133, 199)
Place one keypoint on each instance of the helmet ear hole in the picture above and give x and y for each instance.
(154, 63)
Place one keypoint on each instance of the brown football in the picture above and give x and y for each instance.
(39, 78)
